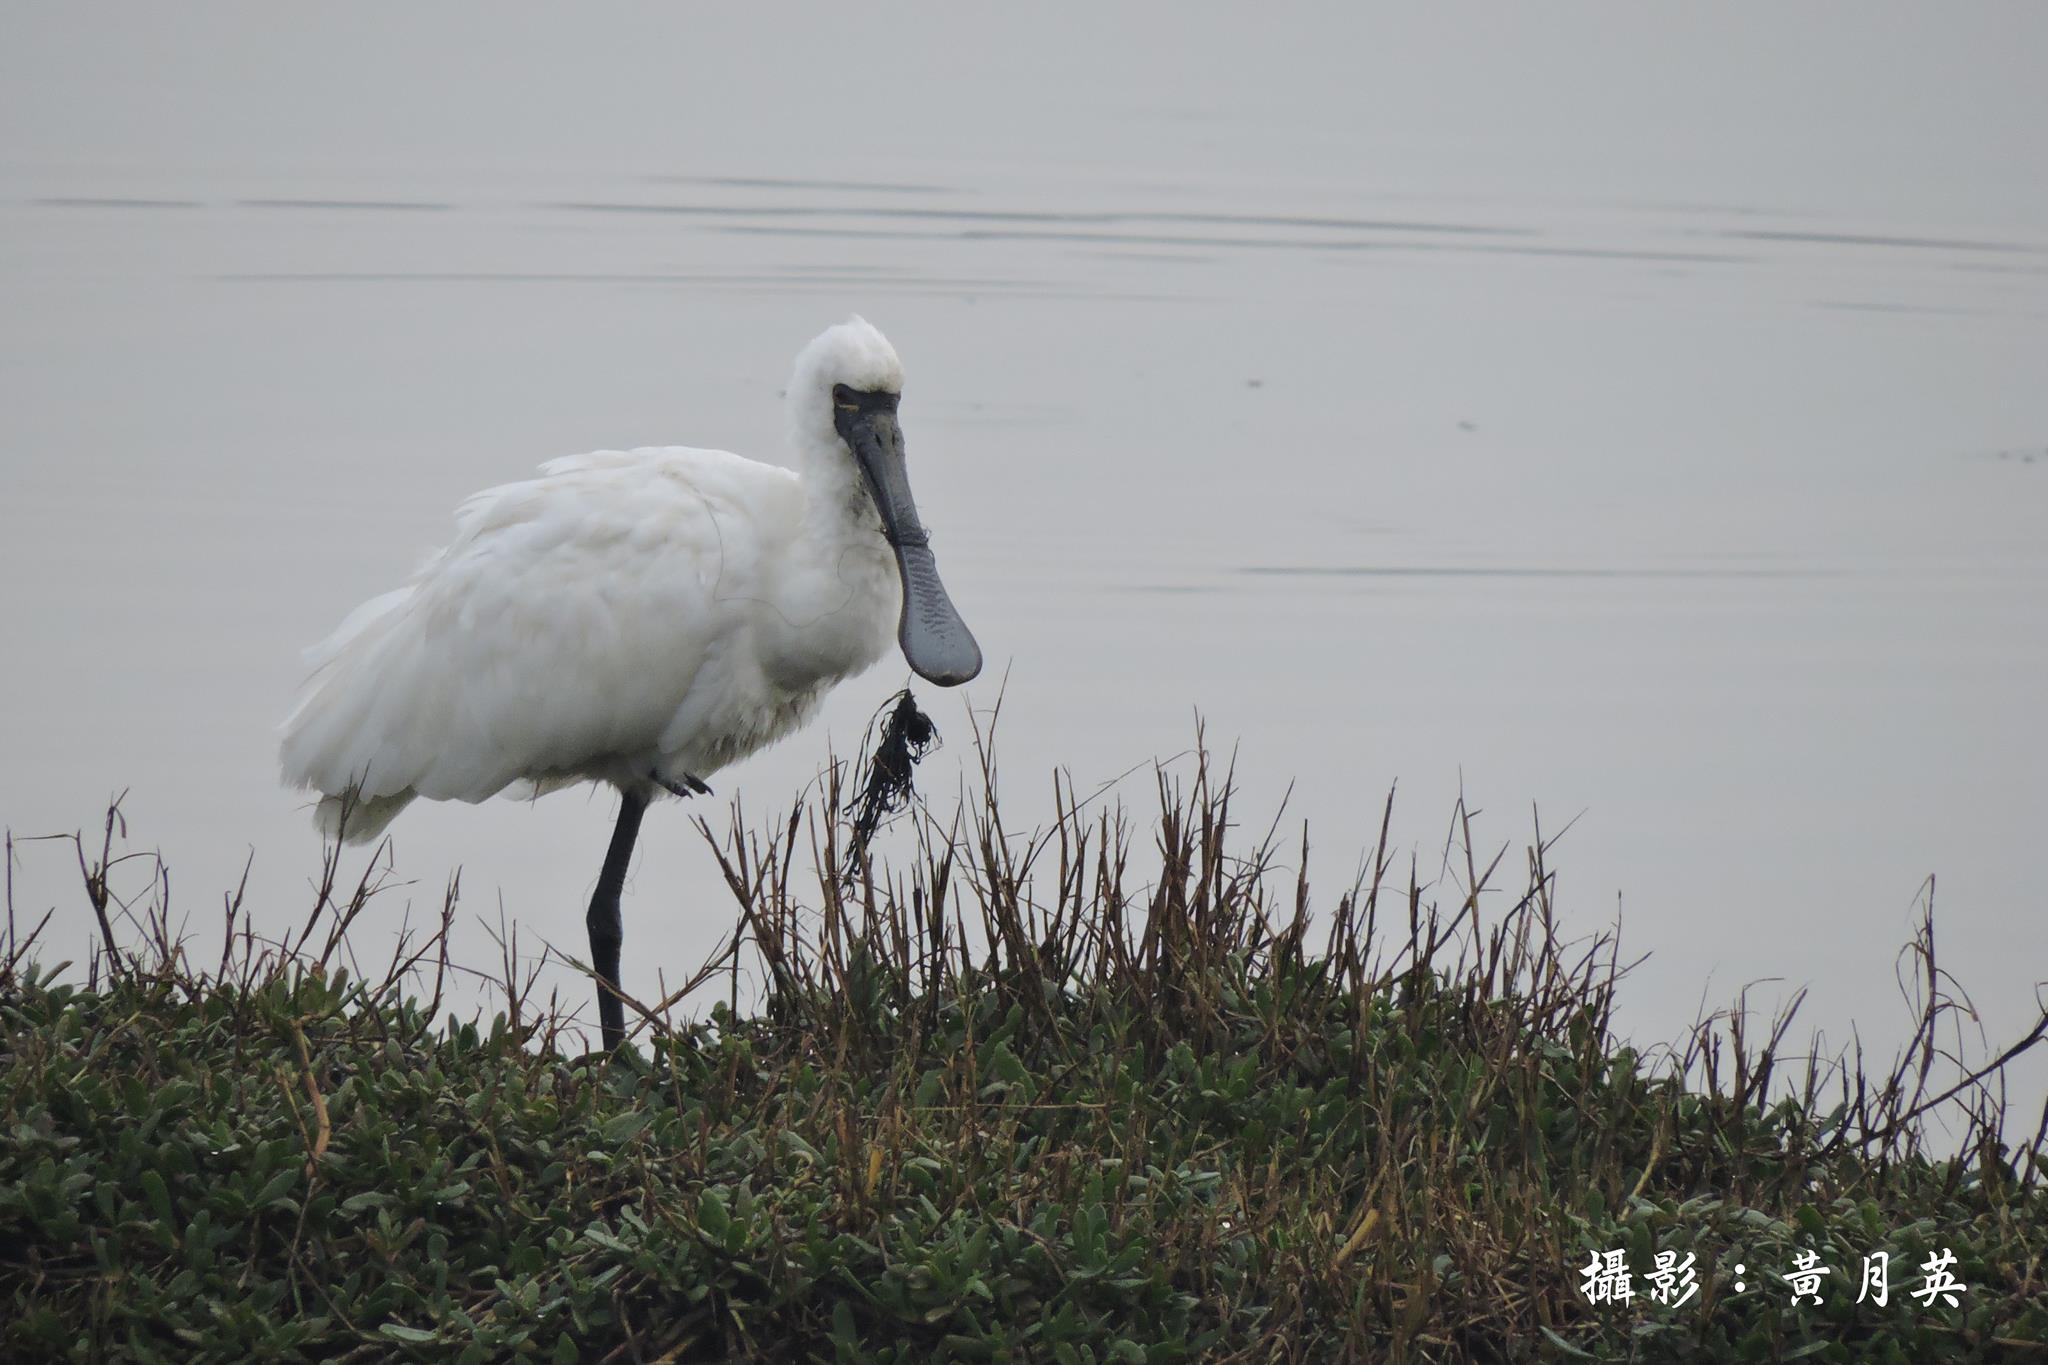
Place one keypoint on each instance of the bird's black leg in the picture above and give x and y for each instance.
(607, 930)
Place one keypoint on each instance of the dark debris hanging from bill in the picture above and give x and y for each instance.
(907, 735)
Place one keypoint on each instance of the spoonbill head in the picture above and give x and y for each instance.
(641, 618)
(843, 400)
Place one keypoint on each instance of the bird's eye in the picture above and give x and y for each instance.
(847, 407)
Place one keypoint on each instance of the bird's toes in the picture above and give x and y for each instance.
(686, 786)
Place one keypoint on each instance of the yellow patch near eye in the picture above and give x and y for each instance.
(847, 407)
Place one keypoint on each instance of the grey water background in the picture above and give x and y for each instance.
(1633, 415)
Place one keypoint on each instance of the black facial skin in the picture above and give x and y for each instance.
(935, 641)
(866, 421)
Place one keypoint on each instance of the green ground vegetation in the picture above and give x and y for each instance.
(1013, 1100)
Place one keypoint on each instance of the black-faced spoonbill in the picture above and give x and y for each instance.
(640, 617)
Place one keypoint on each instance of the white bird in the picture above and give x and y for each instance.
(641, 618)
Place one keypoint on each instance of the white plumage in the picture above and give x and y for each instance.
(626, 615)
(610, 620)
(642, 618)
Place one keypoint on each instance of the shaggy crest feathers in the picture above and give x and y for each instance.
(855, 354)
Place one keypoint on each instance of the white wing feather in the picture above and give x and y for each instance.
(588, 612)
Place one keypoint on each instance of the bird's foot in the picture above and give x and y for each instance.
(688, 786)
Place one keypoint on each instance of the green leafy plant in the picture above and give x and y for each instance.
(1013, 1101)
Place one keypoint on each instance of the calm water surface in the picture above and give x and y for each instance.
(1634, 419)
